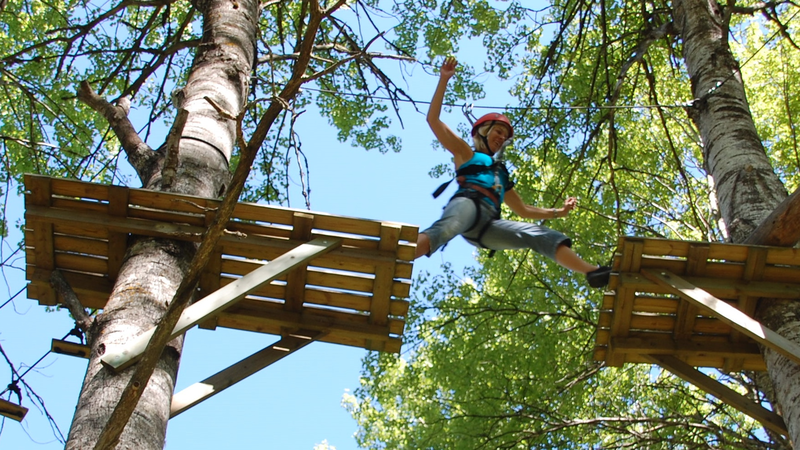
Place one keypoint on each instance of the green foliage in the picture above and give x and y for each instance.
(772, 78)
(502, 358)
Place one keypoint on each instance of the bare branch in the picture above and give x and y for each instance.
(71, 301)
(139, 153)
(169, 171)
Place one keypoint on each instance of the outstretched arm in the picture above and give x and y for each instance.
(447, 137)
(514, 201)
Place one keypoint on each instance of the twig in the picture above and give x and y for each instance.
(82, 320)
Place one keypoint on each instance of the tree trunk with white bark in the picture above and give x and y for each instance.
(154, 268)
(747, 187)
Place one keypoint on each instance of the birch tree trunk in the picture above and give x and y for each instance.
(746, 185)
(154, 268)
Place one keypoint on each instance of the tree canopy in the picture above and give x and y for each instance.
(501, 356)
(602, 106)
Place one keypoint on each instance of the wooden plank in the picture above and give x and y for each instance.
(78, 204)
(753, 270)
(117, 242)
(95, 225)
(664, 247)
(769, 419)
(92, 220)
(296, 279)
(727, 314)
(40, 196)
(190, 205)
(70, 348)
(382, 286)
(76, 188)
(655, 305)
(73, 244)
(224, 379)
(621, 321)
(663, 345)
(39, 188)
(44, 249)
(321, 318)
(12, 410)
(123, 356)
(349, 282)
(753, 364)
(719, 287)
(785, 256)
(264, 214)
(339, 326)
(362, 227)
(80, 263)
(384, 276)
(687, 311)
(623, 304)
(243, 322)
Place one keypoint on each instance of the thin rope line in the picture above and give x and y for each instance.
(739, 71)
(690, 103)
(378, 97)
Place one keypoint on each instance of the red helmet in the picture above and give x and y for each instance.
(493, 117)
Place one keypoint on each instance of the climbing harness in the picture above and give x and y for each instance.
(478, 193)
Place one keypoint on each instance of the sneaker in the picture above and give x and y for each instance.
(598, 278)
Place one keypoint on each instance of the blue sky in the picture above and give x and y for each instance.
(295, 403)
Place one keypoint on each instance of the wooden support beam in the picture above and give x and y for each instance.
(663, 346)
(120, 357)
(117, 241)
(222, 380)
(12, 410)
(719, 287)
(725, 312)
(687, 312)
(302, 224)
(384, 277)
(623, 303)
(753, 271)
(781, 228)
(769, 419)
(70, 348)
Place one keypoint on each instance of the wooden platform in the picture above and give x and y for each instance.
(641, 318)
(354, 295)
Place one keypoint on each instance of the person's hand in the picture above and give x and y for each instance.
(569, 204)
(448, 68)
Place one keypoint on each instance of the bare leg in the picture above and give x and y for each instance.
(566, 257)
(423, 245)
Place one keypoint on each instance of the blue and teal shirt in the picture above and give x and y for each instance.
(495, 178)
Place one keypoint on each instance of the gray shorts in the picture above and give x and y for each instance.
(459, 218)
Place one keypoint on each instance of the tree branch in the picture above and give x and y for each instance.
(139, 154)
(169, 170)
(70, 300)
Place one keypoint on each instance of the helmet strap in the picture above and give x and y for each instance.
(485, 140)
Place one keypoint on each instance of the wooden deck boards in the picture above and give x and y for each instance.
(355, 294)
(639, 317)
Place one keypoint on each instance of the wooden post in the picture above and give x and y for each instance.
(69, 348)
(12, 410)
